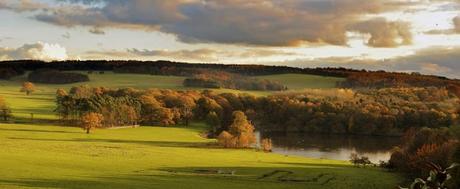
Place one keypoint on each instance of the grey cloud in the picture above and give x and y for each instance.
(36, 51)
(384, 33)
(248, 22)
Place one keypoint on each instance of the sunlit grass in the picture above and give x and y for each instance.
(159, 157)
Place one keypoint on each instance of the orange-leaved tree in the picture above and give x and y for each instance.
(91, 121)
(240, 134)
(27, 87)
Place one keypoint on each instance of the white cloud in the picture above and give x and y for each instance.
(36, 51)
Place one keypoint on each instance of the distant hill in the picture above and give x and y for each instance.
(354, 78)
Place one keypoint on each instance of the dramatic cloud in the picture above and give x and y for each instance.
(249, 22)
(384, 33)
(37, 51)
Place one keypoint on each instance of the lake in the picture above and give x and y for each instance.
(338, 147)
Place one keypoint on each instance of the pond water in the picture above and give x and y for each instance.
(338, 147)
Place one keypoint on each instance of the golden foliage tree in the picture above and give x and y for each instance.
(226, 140)
(28, 88)
(61, 93)
(91, 121)
(241, 132)
(266, 144)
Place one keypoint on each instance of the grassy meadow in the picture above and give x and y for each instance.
(159, 157)
(53, 156)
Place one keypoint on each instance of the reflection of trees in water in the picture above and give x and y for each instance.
(362, 144)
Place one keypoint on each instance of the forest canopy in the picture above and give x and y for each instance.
(370, 112)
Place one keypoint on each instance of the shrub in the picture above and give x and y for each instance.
(266, 144)
(226, 140)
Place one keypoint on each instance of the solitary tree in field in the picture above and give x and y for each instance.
(91, 121)
(28, 88)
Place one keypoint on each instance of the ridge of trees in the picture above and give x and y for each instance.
(370, 112)
(355, 78)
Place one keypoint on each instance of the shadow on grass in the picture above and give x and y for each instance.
(35, 130)
(152, 143)
(221, 178)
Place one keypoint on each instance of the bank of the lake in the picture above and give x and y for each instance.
(331, 146)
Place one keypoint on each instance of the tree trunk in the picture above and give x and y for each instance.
(87, 130)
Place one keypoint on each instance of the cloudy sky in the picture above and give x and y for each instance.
(395, 35)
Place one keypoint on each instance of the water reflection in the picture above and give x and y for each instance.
(337, 147)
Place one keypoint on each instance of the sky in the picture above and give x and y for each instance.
(393, 35)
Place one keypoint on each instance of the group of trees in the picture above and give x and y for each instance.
(127, 106)
(214, 79)
(370, 112)
(381, 79)
(56, 77)
(425, 147)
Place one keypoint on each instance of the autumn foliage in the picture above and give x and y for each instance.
(91, 121)
(28, 88)
(240, 134)
(421, 147)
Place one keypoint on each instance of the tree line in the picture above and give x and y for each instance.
(370, 112)
(219, 79)
(51, 76)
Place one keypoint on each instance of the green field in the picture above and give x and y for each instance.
(44, 156)
(159, 157)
